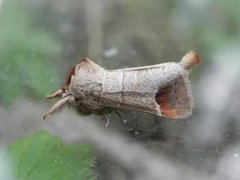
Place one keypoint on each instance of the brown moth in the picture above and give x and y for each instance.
(162, 89)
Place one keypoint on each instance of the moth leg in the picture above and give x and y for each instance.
(58, 106)
(107, 120)
(120, 116)
(58, 93)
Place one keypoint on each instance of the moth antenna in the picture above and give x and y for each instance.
(189, 60)
(58, 106)
(56, 94)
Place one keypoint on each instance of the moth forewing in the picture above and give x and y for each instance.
(162, 89)
(151, 89)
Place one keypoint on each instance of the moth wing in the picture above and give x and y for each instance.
(175, 99)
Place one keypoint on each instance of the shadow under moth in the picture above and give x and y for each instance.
(161, 89)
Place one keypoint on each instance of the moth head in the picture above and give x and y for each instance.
(63, 93)
(65, 98)
(64, 90)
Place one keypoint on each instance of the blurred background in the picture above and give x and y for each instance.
(41, 40)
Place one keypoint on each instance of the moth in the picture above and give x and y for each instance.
(161, 89)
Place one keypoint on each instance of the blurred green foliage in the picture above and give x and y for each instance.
(45, 157)
(220, 26)
(150, 32)
(161, 28)
(24, 55)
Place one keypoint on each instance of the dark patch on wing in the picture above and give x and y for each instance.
(173, 99)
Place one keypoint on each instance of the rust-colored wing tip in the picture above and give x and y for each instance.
(190, 59)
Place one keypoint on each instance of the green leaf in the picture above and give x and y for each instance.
(45, 157)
